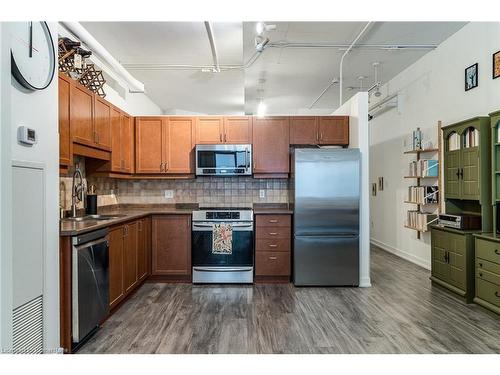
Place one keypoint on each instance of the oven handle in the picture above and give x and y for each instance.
(222, 269)
(211, 225)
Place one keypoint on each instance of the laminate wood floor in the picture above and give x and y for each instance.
(401, 313)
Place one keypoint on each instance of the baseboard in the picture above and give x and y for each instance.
(365, 282)
(402, 254)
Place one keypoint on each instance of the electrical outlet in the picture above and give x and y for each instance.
(262, 193)
(169, 194)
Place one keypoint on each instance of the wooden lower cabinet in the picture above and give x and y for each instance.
(116, 240)
(488, 272)
(171, 247)
(129, 255)
(452, 260)
(272, 247)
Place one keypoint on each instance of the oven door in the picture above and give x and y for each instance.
(242, 246)
(223, 160)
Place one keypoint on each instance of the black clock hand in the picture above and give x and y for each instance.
(31, 39)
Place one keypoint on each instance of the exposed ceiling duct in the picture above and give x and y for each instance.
(213, 47)
(85, 37)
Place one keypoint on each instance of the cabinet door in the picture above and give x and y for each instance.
(130, 256)
(65, 157)
(115, 266)
(127, 140)
(271, 145)
(334, 130)
(102, 126)
(440, 268)
(149, 144)
(452, 165)
(178, 136)
(81, 115)
(142, 249)
(171, 245)
(304, 130)
(209, 130)
(116, 136)
(470, 173)
(237, 130)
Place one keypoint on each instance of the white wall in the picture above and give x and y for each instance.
(135, 104)
(39, 111)
(433, 89)
(359, 137)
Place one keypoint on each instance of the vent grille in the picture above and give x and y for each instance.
(27, 327)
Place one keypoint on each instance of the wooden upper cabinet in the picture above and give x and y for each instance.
(178, 140)
(237, 129)
(102, 122)
(210, 130)
(116, 291)
(149, 144)
(65, 157)
(304, 130)
(271, 145)
(81, 115)
(127, 142)
(116, 135)
(334, 130)
(171, 247)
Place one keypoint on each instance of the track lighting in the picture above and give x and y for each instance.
(260, 43)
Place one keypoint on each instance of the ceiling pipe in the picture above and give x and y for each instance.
(334, 81)
(368, 24)
(386, 47)
(85, 37)
(213, 47)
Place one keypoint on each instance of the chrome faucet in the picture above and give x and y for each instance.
(77, 190)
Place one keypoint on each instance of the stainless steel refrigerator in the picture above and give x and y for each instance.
(326, 189)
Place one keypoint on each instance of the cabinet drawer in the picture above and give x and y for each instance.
(270, 263)
(488, 250)
(273, 220)
(488, 291)
(278, 244)
(482, 264)
(488, 276)
(272, 232)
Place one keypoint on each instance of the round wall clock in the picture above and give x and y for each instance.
(32, 55)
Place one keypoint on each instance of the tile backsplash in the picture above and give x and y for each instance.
(213, 191)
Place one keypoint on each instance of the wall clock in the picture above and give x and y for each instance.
(32, 55)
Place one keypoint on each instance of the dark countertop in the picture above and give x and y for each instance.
(488, 236)
(133, 212)
(458, 231)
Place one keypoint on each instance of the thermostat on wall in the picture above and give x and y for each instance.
(26, 135)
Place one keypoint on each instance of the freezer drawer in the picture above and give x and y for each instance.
(326, 261)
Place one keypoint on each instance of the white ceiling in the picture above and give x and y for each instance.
(293, 77)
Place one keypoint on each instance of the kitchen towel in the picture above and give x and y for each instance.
(222, 242)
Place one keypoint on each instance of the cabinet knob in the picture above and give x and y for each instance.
(480, 274)
(220, 137)
(273, 233)
(497, 252)
(273, 221)
(481, 265)
(273, 245)
(273, 258)
(497, 294)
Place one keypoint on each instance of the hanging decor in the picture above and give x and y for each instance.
(496, 65)
(471, 77)
(73, 62)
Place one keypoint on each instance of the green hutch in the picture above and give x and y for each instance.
(467, 190)
(487, 245)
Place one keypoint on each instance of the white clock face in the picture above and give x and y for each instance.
(33, 54)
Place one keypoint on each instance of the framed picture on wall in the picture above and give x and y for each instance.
(496, 65)
(471, 77)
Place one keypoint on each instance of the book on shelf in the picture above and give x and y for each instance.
(420, 220)
(424, 168)
(423, 194)
(471, 138)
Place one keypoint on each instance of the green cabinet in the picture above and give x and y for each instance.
(452, 260)
(467, 159)
(488, 272)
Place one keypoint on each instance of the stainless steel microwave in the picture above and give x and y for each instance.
(223, 160)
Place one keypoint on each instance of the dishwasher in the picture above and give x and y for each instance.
(90, 289)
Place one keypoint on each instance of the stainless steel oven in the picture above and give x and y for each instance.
(223, 160)
(210, 267)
